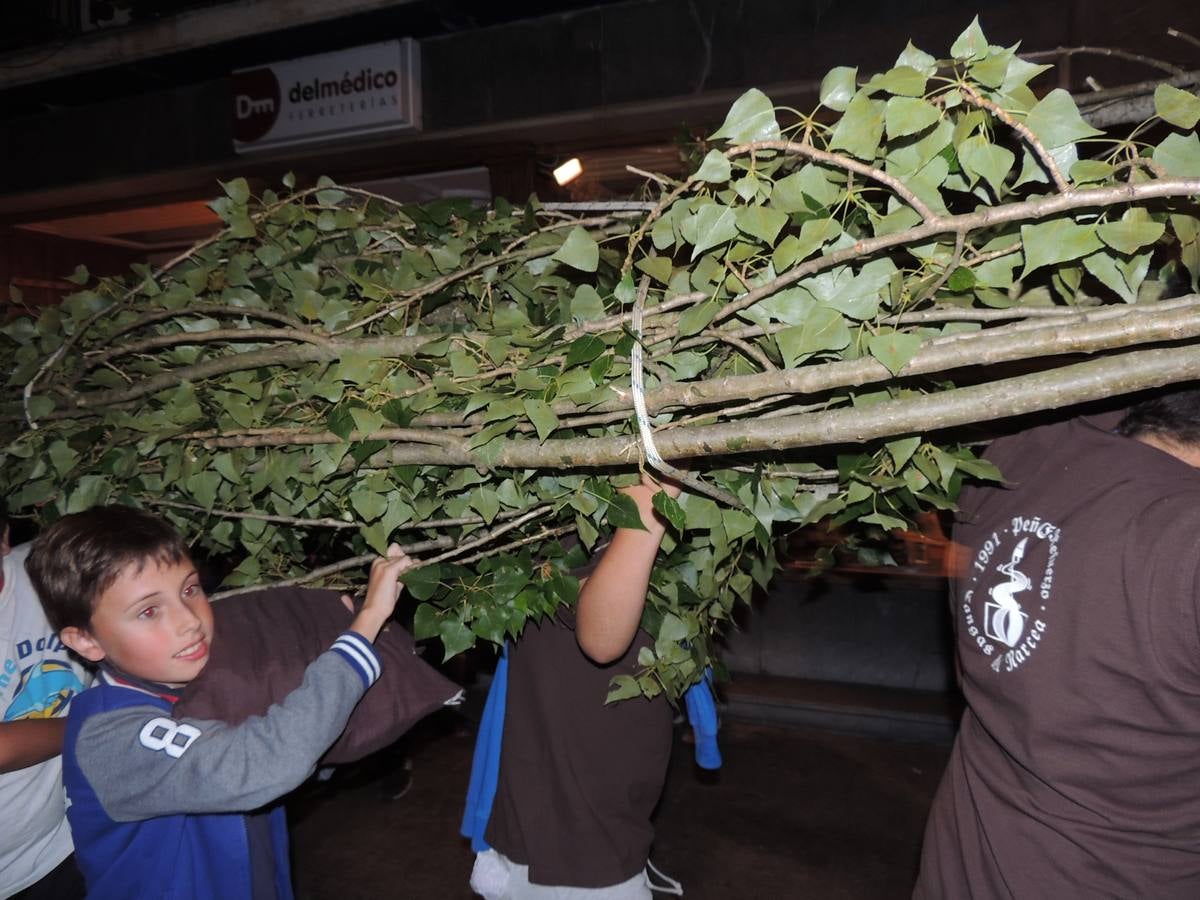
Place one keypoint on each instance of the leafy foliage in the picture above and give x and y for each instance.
(333, 371)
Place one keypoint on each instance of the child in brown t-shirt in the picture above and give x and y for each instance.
(579, 778)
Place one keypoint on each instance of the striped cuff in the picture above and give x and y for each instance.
(357, 651)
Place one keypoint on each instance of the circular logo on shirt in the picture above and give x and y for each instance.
(1008, 586)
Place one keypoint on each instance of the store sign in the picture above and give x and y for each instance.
(365, 90)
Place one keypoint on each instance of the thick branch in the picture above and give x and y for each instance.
(1059, 387)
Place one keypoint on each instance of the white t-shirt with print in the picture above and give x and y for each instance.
(38, 678)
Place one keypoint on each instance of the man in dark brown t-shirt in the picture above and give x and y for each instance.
(1076, 771)
(579, 778)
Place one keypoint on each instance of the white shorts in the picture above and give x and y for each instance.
(496, 877)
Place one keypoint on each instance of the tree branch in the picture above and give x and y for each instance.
(1043, 155)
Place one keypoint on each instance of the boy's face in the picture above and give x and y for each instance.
(153, 622)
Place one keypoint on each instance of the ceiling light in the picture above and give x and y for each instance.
(568, 171)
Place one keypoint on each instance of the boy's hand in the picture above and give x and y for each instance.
(383, 590)
(643, 495)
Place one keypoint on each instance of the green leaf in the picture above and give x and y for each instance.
(586, 305)
(623, 513)
(761, 222)
(904, 81)
(901, 450)
(971, 44)
(961, 279)
(456, 636)
(91, 490)
(422, 581)
(425, 622)
(1130, 236)
(1179, 155)
(860, 128)
(917, 59)
(368, 504)
(894, 350)
(486, 502)
(715, 224)
(908, 115)
(1180, 108)
(751, 118)
(1122, 277)
(824, 329)
(888, 523)
(837, 87)
(668, 507)
(857, 296)
(695, 319)
(542, 417)
(367, 421)
(737, 523)
(701, 512)
(623, 687)
(626, 290)
(237, 190)
(203, 487)
(980, 468)
(982, 159)
(584, 350)
(814, 234)
(62, 457)
(340, 422)
(376, 536)
(657, 267)
(1056, 120)
(1056, 241)
(1091, 170)
(579, 250)
(715, 168)
(670, 632)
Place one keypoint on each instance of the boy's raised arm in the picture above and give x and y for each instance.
(612, 598)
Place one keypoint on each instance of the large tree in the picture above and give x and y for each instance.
(802, 318)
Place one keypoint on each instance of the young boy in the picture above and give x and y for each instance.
(160, 806)
(578, 779)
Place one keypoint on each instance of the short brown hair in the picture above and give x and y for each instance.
(77, 558)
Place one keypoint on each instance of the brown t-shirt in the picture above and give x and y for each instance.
(1076, 772)
(578, 779)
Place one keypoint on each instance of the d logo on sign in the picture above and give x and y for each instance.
(256, 104)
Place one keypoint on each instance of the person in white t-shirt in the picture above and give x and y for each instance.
(38, 678)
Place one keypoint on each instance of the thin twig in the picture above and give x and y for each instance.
(660, 179)
(333, 568)
(1111, 52)
(747, 348)
(955, 258)
(837, 160)
(975, 99)
(1183, 36)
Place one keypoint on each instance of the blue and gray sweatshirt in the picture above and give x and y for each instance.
(158, 806)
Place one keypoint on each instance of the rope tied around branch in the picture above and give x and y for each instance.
(645, 434)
